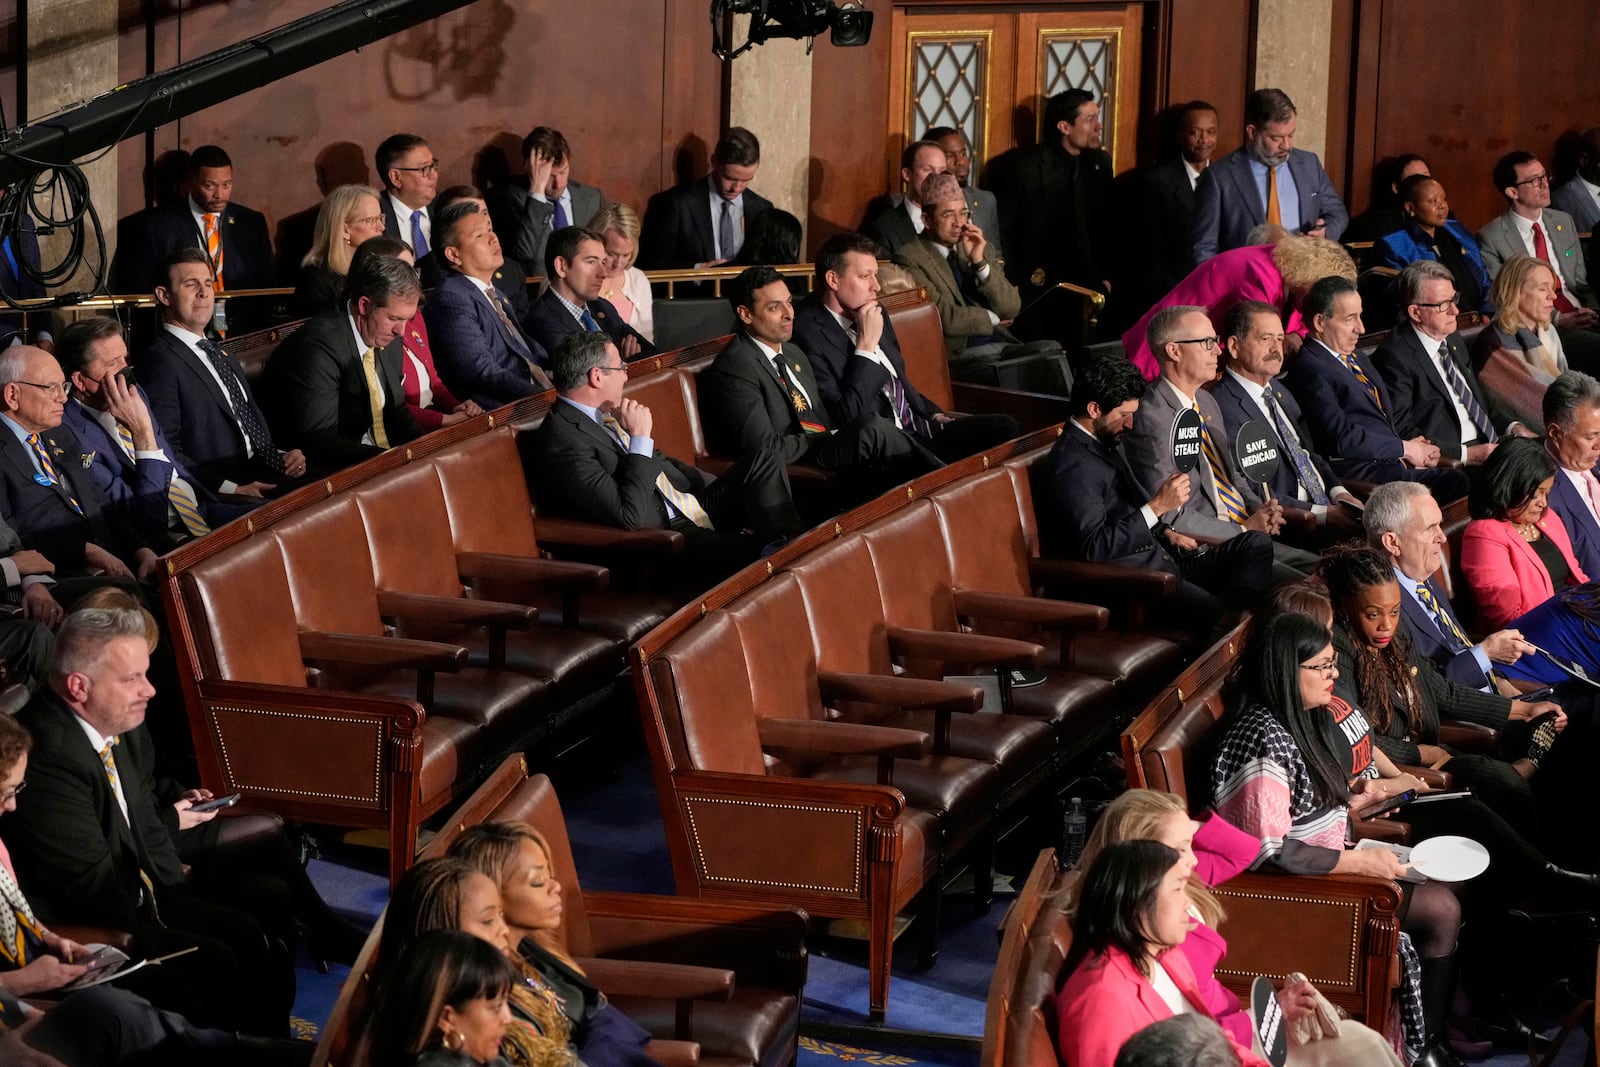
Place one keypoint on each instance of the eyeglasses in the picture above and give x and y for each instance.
(963, 215)
(1449, 301)
(370, 220)
(11, 794)
(1536, 179)
(1326, 669)
(425, 170)
(613, 370)
(61, 389)
(1207, 343)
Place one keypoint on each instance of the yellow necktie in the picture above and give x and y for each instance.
(687, 504)
(369, 366)
(179, 493)
(110, 764)
(1230, 505)
(49, 469)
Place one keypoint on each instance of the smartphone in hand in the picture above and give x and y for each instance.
(215, 805)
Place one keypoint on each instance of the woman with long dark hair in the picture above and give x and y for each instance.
(443, 1004)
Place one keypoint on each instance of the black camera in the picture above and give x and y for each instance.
(848, 24)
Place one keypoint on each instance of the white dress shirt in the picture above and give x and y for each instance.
(402, 218)
(875, 355)
(1525, 231)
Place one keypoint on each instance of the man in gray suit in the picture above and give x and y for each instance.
(1221, 503)
(1531, 227)
(525, 216)
(1267, 179)
(1579, 195)
(980, 202)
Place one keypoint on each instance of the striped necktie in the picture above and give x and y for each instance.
(49, 469)
(213, 249)
(369, 369)
(1305, 470)
(1353, 365)
(1230, 504)
(1458, 386)
(686, 503)
(108, 761)
(1447, 621)
(179, 494)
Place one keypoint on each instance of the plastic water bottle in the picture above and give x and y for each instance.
(1074, 832)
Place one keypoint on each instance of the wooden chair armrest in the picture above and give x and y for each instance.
(558, 574)
(1435, 779)
(842, 738)
(372, 651)
(1038, 611)
(673, 1053)
(898, 691)
(666, 981)
(1299, 521)
(457, 610)
(1111, 578)
(93, 935)
(960, 648)
(1469, 736)
(589, 536)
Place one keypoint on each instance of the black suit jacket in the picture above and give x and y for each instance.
(744, 407)
(42, 515)
(1056, 214)
(1429, 642)
(77, 858)
(1090, 506)
(677, 229)
(891, 228)
(246, 247)
(850, 385)
(1160, 212)
(196, 416)
(1238, 408)
(1419, 402)
(548, 322)
(319, 393)
(579, 470)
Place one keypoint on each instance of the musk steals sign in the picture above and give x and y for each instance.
(1186, 440)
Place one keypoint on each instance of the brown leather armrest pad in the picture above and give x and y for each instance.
(1040, 611)
(576, 534)
(842, 738)
(558, 573)
(382, 651)
(972, 649)
(457, 610)
(672, 981)
(1110, 577)
(898, 691)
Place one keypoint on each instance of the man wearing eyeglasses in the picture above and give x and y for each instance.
(1531, 227)
(1429, 381)
(56, 506)
(410, 177)
(966, 281)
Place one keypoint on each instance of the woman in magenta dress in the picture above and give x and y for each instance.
(1277, 271)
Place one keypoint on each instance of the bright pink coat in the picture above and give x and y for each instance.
(1506, 575)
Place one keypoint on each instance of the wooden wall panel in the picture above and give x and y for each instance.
(850, 138)
(1211, 56)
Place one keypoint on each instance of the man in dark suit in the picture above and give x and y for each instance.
(898, 219)
(1056, 200)
(92, 837)
(410, 176)
(44, 488)
(1247, 392)
(336, 385)
(856, 360)
(760, 392)
(575, 272)
(132, 463)
(1579, 195)
(233, 236)
(1572, 435)
(1347, 407)
(1160, 255)
(478, 347)
(527, 211)
(199, 396)
(1427, 375)
(512, 276)
(1266, 179)
(593, 459)
(981, 202)
(1092, 507)
(703, 223)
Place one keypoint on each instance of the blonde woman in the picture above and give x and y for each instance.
(1217, 851)
(349, 215)
(1520, 350)
(625, 285)
(1277, 267)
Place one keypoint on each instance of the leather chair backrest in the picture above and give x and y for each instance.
(674, 411)
(1023, 469)
(1031, 1020)
(992, 554)
(783, 681)
(703, 680)
(845, 619)
(250, 637)
(329, 566)
(913, 568)
(486, 495)
(1175, 758)
(921, 336)
(408, 531)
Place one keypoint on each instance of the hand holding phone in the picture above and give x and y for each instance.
(215, 805)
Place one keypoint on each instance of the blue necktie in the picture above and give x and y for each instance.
(419, 243)
(1304, 468)
(560, 222)
(588, 322)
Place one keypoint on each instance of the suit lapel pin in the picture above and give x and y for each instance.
(599, 314)
(57, 451)
(87, 458)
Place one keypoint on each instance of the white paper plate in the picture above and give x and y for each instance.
(1450, 859)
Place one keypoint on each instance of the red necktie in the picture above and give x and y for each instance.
(1541, 248)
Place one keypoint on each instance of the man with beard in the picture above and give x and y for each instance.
(1267, 179)
(1093, 508)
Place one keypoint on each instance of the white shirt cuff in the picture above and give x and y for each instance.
(1321, 512)
(994, 320)
(154, 453)
(1482, 657)
(1150, 518)
(228, 487)
(877, 357)
(983, 274)
(641, 446)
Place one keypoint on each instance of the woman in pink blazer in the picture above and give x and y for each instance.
(1278, 273)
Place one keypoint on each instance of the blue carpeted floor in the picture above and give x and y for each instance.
(615, 826)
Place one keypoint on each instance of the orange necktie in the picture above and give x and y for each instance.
(1274, 215)
(214, 249)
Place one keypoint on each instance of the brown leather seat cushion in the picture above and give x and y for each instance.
(622, 616)
(452, 750)
(1082, 707)
(480, 697)
(1137, 664)
(734, 1032)
(574, 662)
(1023, 749)
(962, 792)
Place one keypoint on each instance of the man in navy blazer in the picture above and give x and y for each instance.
(855, 356)
(1579, 195)
(132, 463)
(1163, 195)
(1345, 403)
(1572, 434)
(1231, 197)
(1093, 507)
(512, 277)
(410, 175)
(320, 380)
(478, 348)
(199, 395)
(679, 228)
(1444, 404)
(45, 489)
(243, 259)
(1248, 392)
(575, 272)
